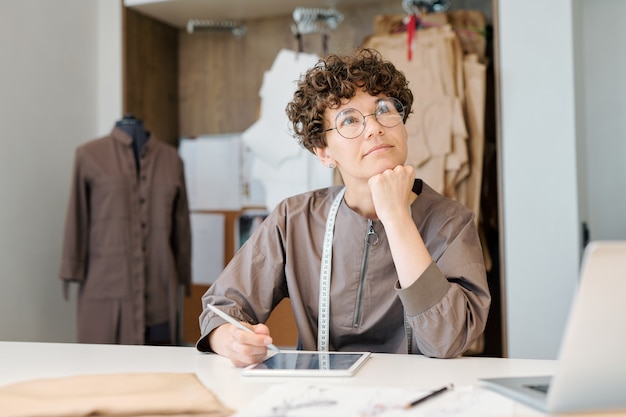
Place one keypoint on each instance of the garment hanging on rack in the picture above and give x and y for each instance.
(127, 241)
(475, 96)
(470, 27)
(446, 127)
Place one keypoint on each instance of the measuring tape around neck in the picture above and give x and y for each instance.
(323, 318)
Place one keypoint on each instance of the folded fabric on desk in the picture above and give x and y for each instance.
(132, 394)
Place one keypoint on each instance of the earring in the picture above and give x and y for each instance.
(331, 165)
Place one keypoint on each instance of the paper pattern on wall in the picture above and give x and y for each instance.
(207, 247)
(213, 171)
(280, 163)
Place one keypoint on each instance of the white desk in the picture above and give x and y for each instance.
(23, 361)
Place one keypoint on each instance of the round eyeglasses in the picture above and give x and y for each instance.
(350, 123)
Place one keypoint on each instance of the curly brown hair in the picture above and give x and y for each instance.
(336, 78)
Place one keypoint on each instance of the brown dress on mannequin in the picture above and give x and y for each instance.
(127, 238)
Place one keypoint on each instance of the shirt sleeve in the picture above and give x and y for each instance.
(76, 231)
(447, 307)
(252, 284)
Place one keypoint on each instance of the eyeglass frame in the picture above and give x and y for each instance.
(400, 112)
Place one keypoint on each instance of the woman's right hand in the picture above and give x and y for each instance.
(241, 347)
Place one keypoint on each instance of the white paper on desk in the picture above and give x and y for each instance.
(312, 400)
(207, 247)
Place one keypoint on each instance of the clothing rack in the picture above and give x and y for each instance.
(237, 29)
(315, 20)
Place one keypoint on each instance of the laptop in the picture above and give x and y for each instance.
(591, 372)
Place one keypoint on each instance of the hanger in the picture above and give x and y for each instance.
(418, 7)
(410, 7)
(415, 9)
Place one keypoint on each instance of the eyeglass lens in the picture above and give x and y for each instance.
(350, 123)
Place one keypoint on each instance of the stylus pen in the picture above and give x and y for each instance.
(428, 397)
(236, 323)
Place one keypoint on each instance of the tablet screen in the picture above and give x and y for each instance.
(293, 363)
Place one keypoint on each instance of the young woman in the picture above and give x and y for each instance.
(382, 264)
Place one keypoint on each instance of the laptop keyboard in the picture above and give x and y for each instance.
(539, 387)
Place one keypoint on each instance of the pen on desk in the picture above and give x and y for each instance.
(236, 323)
(428, 397)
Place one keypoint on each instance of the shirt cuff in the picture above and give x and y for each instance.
(213, 323)
(425, 292)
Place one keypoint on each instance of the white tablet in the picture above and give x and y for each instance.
(306, 363)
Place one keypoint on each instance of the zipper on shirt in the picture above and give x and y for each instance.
(371, 238)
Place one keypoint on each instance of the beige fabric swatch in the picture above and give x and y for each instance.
(132, 394)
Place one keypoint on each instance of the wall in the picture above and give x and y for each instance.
(601, 105)
(539, 173)
(60, 84)
(563, 154)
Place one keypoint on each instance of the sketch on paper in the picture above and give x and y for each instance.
(300, 400)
